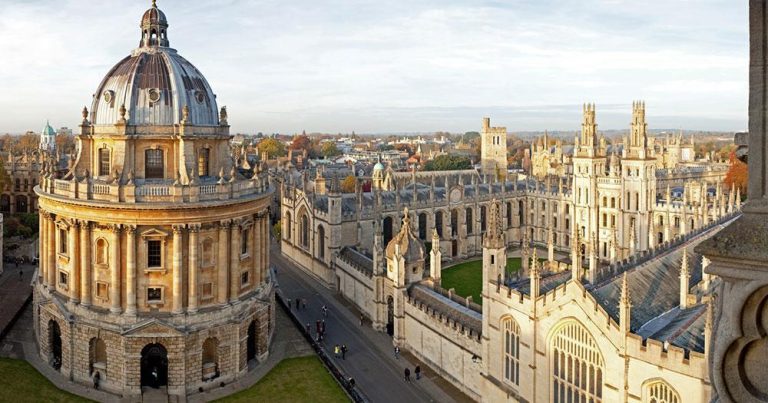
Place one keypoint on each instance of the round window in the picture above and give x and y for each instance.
(108, 96)
(199, 96)
(154, 95)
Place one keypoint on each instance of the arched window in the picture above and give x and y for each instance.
(438, 223)
(210, 359)
(154, 168)
(468, 220)
(321, 242)
(660, 392)
(104, 164)
(304, 229)
(244, 240)
(454, 222)
(511, 351)
(577, 365)
(605, 201)
(287, 233)
(483, 215)
(97, 356)
(102, 251)
(203, 156)
(613, 202)
(509, 215)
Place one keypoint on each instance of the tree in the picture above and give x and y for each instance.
(65, 143)
(301, 142)
(348, 184)
(28, 142)
(737, 174)
(5, 179)
(277, 230)
(469, 137)
(272, 147)
(448, 163)
(329, 149)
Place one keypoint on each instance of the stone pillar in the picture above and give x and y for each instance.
(85, 263)
(74, 252)
(51, 252)
(739, 252)
(42, 248)
(194, 260)
(258, 249)
(265, 241)
(130, 269)
(234, 263)
(222, 263)
(178, 306)
(114, 268)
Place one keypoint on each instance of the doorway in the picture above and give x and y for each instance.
(251, 355)
(154, 366)
(54, 338)
(390, 316)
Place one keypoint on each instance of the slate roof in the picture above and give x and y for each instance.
(457, 312)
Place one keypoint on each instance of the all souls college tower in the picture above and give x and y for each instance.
(154, 243)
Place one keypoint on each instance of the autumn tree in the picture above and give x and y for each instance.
(448, 163)
(348, 184)
(272, 147)
(28, 141)
(301, 142)
(737, 174)
(329, 149)
(65, 143)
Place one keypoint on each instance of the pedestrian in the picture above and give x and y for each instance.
(343, 351)
(21, 274)
(336, 350)
(309, 330)
(351, 382)
(304, 304)
(317, 326)
(298, 300)
(407, 374)
(417, 371)
(289, 304)
(397, 353)
(322, 325)
(362, 318)
(96, 379)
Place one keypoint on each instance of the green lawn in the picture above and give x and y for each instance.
(467, 278)
(22, 383)
(301, 379)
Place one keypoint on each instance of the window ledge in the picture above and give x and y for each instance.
(158, 270)
(64, 257)
(244, 256)
(155, 304)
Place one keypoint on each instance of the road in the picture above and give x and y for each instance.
(370, 360)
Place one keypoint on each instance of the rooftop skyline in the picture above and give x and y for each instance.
(397, 66)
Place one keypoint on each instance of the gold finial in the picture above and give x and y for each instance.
(154, 3)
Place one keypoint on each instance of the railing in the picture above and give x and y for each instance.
(207, 189)
(100, 189)
(153, 190)
(62, 185)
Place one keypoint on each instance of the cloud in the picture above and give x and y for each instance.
(336, 65)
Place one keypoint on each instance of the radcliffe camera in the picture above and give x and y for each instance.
(431, 201)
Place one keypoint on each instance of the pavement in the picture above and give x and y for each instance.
(14, 291)
(379, 376)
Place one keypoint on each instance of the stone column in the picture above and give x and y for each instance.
(265, 241)
(114, 267)
(85, 263)
(51, 252)
(43, 247)
(194, 260)
(74, 253)
(222, 263)
(177, 306)
(257, 249)
(130, 269)
(234, 263)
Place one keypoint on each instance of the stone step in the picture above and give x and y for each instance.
(152, 395)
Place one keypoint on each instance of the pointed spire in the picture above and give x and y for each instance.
(684, 280)
(625, 299)
(625, 305)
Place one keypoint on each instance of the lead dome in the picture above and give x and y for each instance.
(154, 84)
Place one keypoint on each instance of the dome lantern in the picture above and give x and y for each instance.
(154, 28)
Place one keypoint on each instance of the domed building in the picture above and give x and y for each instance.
(154, 243)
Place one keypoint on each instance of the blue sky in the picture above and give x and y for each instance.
(397, 65)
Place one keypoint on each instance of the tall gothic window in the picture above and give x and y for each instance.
(103, 161)
(577, 365)
(511, 351)
(304, 231)
(153, 164)
(660, 392)
(202, 161)
(468, 220)
(321, 242)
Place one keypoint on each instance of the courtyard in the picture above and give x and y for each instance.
(467, 278)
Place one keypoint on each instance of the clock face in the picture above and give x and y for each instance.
(455, 195)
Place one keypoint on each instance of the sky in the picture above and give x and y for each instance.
(373, 66)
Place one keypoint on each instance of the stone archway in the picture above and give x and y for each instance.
(154, 366)
(390, 315)
(251, 342)
(54, 340)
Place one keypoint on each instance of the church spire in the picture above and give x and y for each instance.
(625, 305)
(684, 280)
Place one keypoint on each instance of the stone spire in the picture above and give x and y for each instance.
(435, 265)
(589, 127)
(575, 256)
(685, 277)
(550, 247)
(625, 305)
(494, 247)
(535, 277)
(494, 237)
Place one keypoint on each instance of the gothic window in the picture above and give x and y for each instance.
(104, 161)
(605, 220)
(605, 201)
(483, 223)
(423, 226)
(321, 242)
(660, 392)
(154, 167)
(203, 157)
(17, 185)
(613, 220)
(438, 224)
(97, 354)
(454, 222)
(637, 201)
(509, 214)
(577, 365)
(102, 252)
(63, 279)
(661, 220)
(554, 222)
(629, 200)
(154, 253)
(677, 222)
(287, 233)
(613, 202)
(304, 229)
(511, 351)
(468, 221)
(62, 240)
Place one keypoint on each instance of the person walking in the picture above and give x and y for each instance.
(289, 304)
(362, 319)
(336, 350)
(351, 382)
(304, 304)
(298, 300)
(343, 351)
(407, 374)
(417, 371)
(309, 329)
(21, 274)
(397, 353)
